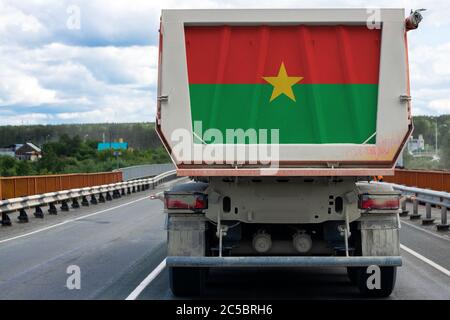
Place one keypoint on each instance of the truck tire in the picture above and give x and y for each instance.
(187, 281)
(387, 282)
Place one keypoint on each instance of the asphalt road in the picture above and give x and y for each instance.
(118, 244)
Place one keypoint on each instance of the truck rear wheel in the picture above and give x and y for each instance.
(187, 281)
(387, 282)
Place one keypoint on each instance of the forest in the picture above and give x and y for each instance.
(74, 155)
(138, 135)
(72, 148)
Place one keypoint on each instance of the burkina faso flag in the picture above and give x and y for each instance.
(316, 84)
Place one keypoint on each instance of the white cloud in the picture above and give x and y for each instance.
(430, 78)
(26, 119)
(441, 105)
(19, 88)
(84, 84)
(107, 70)
(12, 19)
(19, 27)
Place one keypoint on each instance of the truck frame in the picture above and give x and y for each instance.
(319, 208)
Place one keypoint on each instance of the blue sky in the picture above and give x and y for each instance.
(105, 71)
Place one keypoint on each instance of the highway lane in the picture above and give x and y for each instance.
(415, 280)
(117, 248)
(113, 250)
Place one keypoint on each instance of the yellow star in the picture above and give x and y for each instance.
(282, 83)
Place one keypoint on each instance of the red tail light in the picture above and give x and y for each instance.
(186, 201)
(380, 202)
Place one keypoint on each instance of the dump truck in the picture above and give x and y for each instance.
(279, 118)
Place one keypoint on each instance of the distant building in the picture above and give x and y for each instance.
(416, 145)
(10, 150)
(28, 151)
(112, 146)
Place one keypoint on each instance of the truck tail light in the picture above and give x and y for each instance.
(195, 202)
(379, 202)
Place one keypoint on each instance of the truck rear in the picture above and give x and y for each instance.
(279, 117)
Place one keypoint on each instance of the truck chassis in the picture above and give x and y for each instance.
(290, 222)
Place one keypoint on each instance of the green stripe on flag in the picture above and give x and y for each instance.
(322, 113)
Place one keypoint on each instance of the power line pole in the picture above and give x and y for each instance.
(436, 139)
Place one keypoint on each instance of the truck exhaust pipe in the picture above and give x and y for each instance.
(415, 17)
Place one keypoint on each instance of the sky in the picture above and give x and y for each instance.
(55, 68)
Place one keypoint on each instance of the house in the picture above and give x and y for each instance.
(28, 151)
(416, 145)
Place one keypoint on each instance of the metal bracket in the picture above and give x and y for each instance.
(163, 98)
(332, 165)
(405, 98)
(412, 22)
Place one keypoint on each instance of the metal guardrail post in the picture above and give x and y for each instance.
(52, 208)
(6, 221)
(404, 212)
(93, 200)
(64, 206)
(427, 220)
(75, 204)
(84, 201)
(38, 213)
(23, 217)
(415, 214)
(443, 225)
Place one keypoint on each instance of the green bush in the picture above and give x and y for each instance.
(72, 155)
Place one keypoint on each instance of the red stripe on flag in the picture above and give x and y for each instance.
(320, 54)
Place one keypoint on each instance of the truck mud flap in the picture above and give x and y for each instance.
(240, 262)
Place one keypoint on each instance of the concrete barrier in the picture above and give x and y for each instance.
(144, 171)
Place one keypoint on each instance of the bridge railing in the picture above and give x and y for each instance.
(100, 193)
(13, 187)
(429, 198)
(425, 179)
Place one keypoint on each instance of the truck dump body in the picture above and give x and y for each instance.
(324, 90)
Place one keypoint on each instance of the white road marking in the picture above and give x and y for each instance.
(136, 292)
(71, 220)
(425, 230)
(426, 260)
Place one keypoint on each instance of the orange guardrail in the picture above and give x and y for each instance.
(13, 187)
(434, 180)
